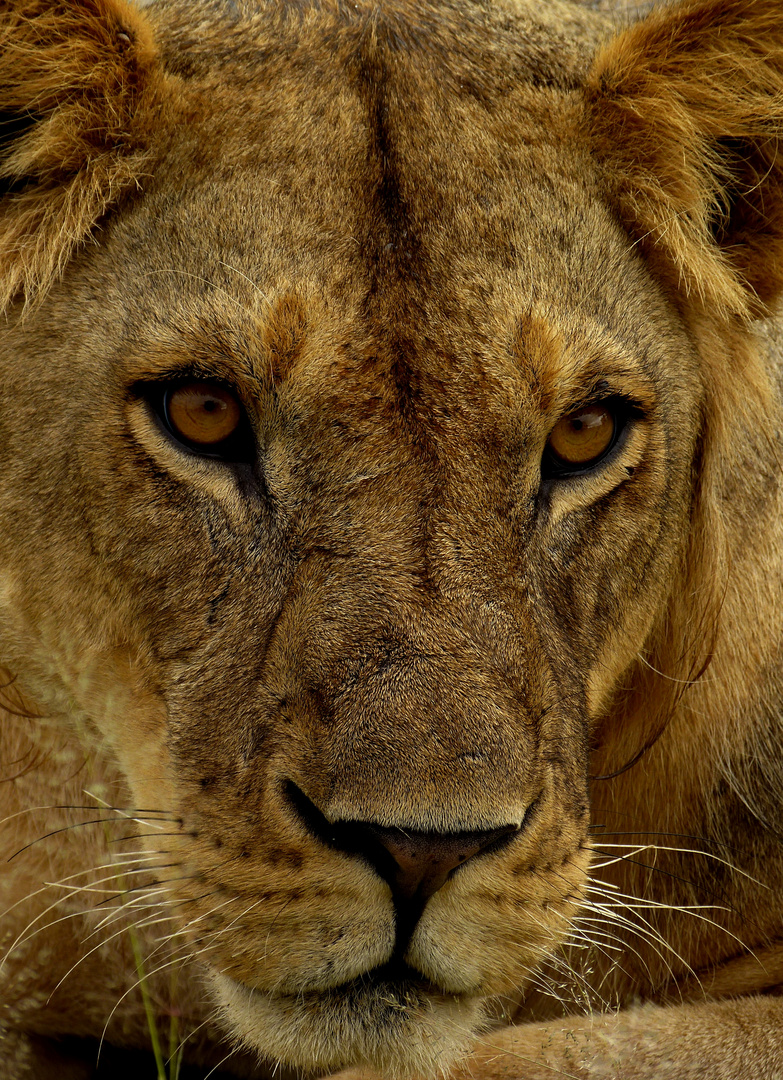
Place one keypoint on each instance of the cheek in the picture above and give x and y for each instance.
(128, 716)
(140, 748)
(606, 575)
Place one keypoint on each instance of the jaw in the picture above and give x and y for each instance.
(397, 1028)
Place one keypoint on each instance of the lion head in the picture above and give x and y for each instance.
(360, 448)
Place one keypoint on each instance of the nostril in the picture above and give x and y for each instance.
(415, 864)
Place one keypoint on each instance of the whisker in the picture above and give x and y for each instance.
(677, 850)
(642, 928)
(28, 933)
(140, 925)
(135, 985)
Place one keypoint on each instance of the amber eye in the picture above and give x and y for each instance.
(206, 417)
(582, 438)
(202, 413)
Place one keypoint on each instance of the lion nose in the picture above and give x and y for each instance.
(415, 864)
(420, 862)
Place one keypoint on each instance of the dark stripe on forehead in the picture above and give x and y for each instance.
(393, 243)
(396, 258)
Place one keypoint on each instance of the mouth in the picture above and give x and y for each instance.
(394, 986)
(390, 1019)
(400, 982)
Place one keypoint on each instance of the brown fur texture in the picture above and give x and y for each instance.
(78, 82)
(409, 239)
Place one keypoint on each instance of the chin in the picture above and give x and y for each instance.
(394, 1024)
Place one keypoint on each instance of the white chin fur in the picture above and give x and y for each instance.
(394, 1031)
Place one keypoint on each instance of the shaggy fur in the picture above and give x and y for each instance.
(411, 239)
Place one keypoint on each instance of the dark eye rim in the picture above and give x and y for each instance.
(238, 448)
(623, 412)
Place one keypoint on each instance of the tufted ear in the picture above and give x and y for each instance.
(685, 110)
(75, 80)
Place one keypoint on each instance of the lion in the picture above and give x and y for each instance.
(392, 567)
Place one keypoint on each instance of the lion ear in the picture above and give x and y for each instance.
(685, 111)
(74, 76)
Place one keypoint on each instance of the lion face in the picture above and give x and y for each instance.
(387, 618)
(360, 645)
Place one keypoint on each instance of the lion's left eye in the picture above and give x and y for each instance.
(582, 439)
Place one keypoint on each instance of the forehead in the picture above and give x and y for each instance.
(406, 187)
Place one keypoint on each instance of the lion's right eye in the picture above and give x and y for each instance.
(205, 417)
(202, 414)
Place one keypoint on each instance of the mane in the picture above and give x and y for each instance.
(74, 136)
(696, 671)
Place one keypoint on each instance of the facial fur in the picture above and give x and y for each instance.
(402, 239)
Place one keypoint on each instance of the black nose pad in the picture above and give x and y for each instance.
(417, 864)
